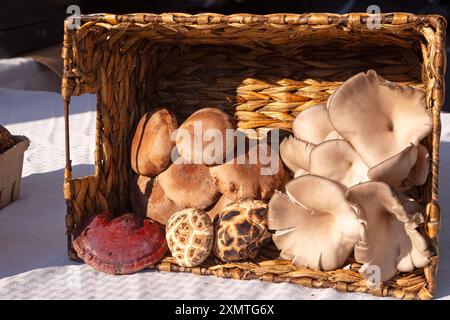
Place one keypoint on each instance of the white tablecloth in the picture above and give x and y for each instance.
(33, 261)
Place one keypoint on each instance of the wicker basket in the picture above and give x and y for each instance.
(263, 70)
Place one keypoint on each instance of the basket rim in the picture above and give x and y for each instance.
(354, 18)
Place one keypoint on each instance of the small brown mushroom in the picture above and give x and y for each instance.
(338, 161)
(315, 226)
(295, 153)
(389, 239)
(160, 208)
(313, 125)
(152, 144)
(148, 199)
(205, 128)
(189, 185)
(247, 176)
(379, 118)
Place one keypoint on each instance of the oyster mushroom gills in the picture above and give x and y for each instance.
(122, 245)
(152, 144)
(240, 230)
(189, 235)
(314, 225)
(389, 237)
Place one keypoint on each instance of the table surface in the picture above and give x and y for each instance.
(33, 260)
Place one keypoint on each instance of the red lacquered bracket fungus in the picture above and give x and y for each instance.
(122, 245)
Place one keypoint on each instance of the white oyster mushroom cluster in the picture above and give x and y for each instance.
(352, 160)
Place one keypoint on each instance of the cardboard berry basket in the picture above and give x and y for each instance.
(263, 70)
(11, 163)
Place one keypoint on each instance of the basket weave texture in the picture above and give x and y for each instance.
(263, 70)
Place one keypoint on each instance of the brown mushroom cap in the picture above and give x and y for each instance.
(315, 226)
(192, 144)
(159, 207)
(338, 161)
(313, 125)
(379, 118)
(245, 176)
(389, 239)
(152, 144)
(295, 153)
(140, 190)
(148, 199)
(189, 185)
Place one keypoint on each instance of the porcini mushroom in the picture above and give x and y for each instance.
(152, 144)
(313, 125)
(338, 161)
(202, 138)
(315, 226)
(389, 239)
(248, 176)
(295, 153)
(189, 185)
(218, 206)
(379, 118)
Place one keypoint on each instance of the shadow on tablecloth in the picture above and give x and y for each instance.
(32, 232)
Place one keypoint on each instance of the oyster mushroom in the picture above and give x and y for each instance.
(389, 239)
(379, 118)
(295, 153)
(338, 161)
(151, 147)
(419, 173)
(315, 226)
(395, 169)
(189, 185)
(313, 125)
(205, 128)
(122, 245)
(248, 176)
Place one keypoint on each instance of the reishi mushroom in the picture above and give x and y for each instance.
(122, 245)
(314, 225)
(152, 145)
(389, 239)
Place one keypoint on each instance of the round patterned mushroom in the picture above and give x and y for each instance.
(152, 145)
(189, 235)
(240, 230)
(6, 140)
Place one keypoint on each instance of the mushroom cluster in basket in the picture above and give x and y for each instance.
(357, 162)
(209, 200)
